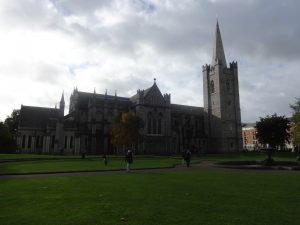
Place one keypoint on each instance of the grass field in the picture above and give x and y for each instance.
(189, 198)
(89, 164)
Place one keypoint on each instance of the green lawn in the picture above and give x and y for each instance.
(183, 198)
(280, 156)
(28, 156)
(89, 164)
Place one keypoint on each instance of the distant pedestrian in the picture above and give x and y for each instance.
(83, 154)
(128, 160)
(297, 150)
(104, 159)
(183, 158)
(187, 157)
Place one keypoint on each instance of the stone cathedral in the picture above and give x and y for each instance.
(168, 128)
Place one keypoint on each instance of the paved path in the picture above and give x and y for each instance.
(204, 165)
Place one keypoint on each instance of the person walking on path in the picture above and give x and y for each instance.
(105, 159)
(187, 157)
(183, 157)
(297, 150)
(128, 160)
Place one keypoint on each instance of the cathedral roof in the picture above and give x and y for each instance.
(37, 117)
(85, 96)
(186, 109)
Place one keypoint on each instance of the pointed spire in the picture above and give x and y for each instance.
(105, 91)
(218, 50)
(154, 80)
(115, 93)
(62, 98)
(94, 90)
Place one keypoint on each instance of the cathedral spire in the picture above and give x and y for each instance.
(62, 105)
(218, 50)
(62, 100)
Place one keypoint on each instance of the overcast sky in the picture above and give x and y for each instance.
(47, 46)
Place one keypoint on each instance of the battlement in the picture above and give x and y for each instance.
(233, 65)
(167, 98)
(205, 67)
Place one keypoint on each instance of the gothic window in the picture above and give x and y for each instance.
(149, 123)
(159, 123)
(159, 126)
(154, 126)
(29, 142)
(52, 141)
(99, 116)
(23, 141)
(228, 85)
(66, 141)
(212, 86)
(86, 142)
(71, 142)
(41, 141)
(37, 141)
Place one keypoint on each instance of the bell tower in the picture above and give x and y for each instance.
(221, 101)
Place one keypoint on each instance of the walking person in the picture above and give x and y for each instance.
(183, 158)
(187, 157)
(128, 160)
(105, 159)
(297, 150)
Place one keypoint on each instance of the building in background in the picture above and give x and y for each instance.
(250, 142)
(168, 128)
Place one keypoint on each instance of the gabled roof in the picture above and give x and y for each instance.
(37, 117)
(151, 89)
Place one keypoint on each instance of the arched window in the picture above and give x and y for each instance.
(149, 121)
(159, 123)
(154, 126)
(212, 86)
(228, 85)
(71, 142)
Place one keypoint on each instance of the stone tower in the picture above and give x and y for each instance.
(221, 101)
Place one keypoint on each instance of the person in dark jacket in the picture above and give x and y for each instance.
(104, 159)
(128, 160)
(187, 157)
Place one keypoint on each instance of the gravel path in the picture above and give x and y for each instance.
(204, 165)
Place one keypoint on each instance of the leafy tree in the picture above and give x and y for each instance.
(125, 129)
(295, 127)
(12, 121)
(7, 143)
(272, 130)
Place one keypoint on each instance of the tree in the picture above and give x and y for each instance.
(273, 131)
(12, 121)
(295, 126)
(125, 129)
(7, 143)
